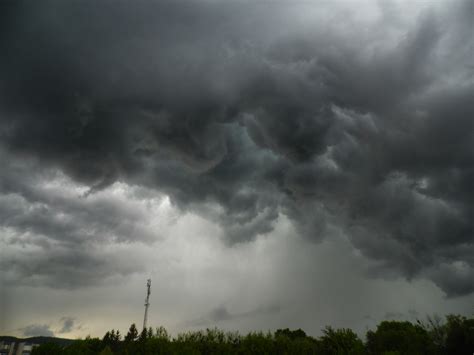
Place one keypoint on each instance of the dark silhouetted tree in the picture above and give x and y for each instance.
(132, 334)
(459, 335)
(340, 342)
(402, 337)
(292, 334)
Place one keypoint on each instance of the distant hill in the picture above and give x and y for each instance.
(37, 340)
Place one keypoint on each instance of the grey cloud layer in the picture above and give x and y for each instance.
(236, 106)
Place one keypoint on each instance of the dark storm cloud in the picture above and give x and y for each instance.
(59, 238)
(214, 105)
(27, 206)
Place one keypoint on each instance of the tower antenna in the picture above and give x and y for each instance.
(147, 302)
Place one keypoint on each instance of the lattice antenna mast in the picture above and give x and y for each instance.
(147, 302)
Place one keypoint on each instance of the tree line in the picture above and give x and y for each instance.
(451, 336)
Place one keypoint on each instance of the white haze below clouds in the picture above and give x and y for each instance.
(278, 280)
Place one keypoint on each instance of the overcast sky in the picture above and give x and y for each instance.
(268, 164)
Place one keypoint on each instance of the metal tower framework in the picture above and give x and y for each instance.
(147, 302)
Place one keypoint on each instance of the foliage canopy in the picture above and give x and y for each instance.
(455, 336)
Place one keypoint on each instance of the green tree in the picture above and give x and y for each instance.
(106, 351)
(402, 337)
(88, 346)
(47, 349)
(132, 334)
(291, 334)
(118, 336)
(143, 335)
(111, 339)
(149, 333)
(459, 336)
(162, 333)
(340, 342)
(436, 330)
(107, 338)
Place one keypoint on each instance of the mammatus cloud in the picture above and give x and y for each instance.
(366, 127)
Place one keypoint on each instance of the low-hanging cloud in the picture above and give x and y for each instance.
(216, 107)
(222, 314)
(68, 324)
(37, 330)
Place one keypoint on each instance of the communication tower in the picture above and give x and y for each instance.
(147, 302)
